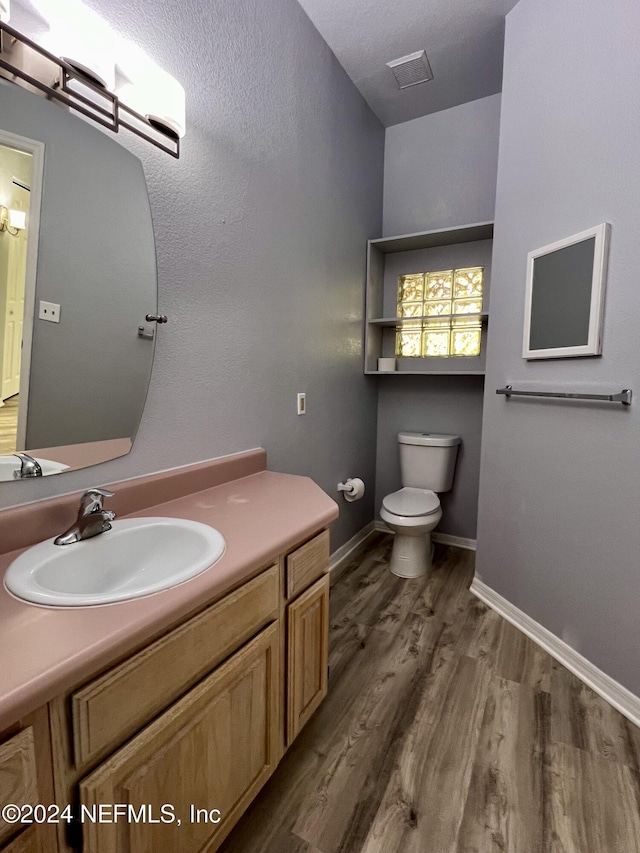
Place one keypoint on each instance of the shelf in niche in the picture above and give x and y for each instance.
(400, 321)
(425, 372)
(431, 239)
(378, 330)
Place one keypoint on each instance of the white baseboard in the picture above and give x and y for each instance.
(610, 690)
(342, 554)
(456, 541)
(443, 538)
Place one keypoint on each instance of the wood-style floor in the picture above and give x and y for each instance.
(446, 730)
(8, 425)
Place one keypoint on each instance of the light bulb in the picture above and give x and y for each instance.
(86, 43)
(159, 97)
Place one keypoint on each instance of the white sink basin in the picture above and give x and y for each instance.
(136, 557)
(9, 464)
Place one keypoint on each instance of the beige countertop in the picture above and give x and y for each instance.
(45, 650)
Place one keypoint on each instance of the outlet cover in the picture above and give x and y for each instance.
(49, 311)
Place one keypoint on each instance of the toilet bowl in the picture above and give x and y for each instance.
(411, 514)
(427, 465)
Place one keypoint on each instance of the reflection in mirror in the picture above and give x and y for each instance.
(15, 185)
(77, 278)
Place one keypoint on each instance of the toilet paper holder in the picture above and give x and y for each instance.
(352, 488)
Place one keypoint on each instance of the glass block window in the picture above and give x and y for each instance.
(442, 303)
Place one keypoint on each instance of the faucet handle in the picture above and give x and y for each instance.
(91, 500)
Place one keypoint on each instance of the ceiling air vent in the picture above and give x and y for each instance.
(411, 70)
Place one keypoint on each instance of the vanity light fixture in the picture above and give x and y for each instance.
(80, 37)
(149, 90)
(160, 98)
(12, 221)
(86, 42)
(87, 48)
(85, 82)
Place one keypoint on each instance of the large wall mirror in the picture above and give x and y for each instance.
(77, 279)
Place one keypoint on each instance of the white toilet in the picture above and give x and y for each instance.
(427, 463)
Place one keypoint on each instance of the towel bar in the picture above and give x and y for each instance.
(623, 397)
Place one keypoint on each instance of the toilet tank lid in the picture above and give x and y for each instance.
(431, 439)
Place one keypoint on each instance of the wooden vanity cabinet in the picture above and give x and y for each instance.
(116, 705)
(192, 718)
(307, 619)
(213, 750)
(191, 725)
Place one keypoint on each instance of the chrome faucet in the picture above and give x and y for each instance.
(92, 518)
(29, 467)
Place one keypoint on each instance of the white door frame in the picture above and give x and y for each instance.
(36, 149)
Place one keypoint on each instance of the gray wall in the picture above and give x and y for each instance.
(558, 523)
(260, 229)
(440, 171)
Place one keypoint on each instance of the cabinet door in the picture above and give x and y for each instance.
(212, 750)
(18, 776)
(308, 654)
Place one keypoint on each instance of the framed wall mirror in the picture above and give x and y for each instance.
(564, 301)
(77, 278)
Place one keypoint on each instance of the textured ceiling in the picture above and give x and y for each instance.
(463, 40)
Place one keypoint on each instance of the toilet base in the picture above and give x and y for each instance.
(411, 556)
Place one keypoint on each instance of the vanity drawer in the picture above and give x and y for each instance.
(17, 776)
(307, 563)
(115, 706)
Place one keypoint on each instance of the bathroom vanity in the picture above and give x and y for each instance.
(179, 704)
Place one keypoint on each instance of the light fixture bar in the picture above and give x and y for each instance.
(8, 34)
(109, 117)
(69, 75)
(173, 146)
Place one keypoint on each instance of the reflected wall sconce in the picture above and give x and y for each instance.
(12, 221)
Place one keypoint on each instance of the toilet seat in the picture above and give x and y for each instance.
(411, 503)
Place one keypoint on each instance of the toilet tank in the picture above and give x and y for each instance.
(428, 460)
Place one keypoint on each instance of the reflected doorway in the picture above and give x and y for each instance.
(18, 249)
(15, 184)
